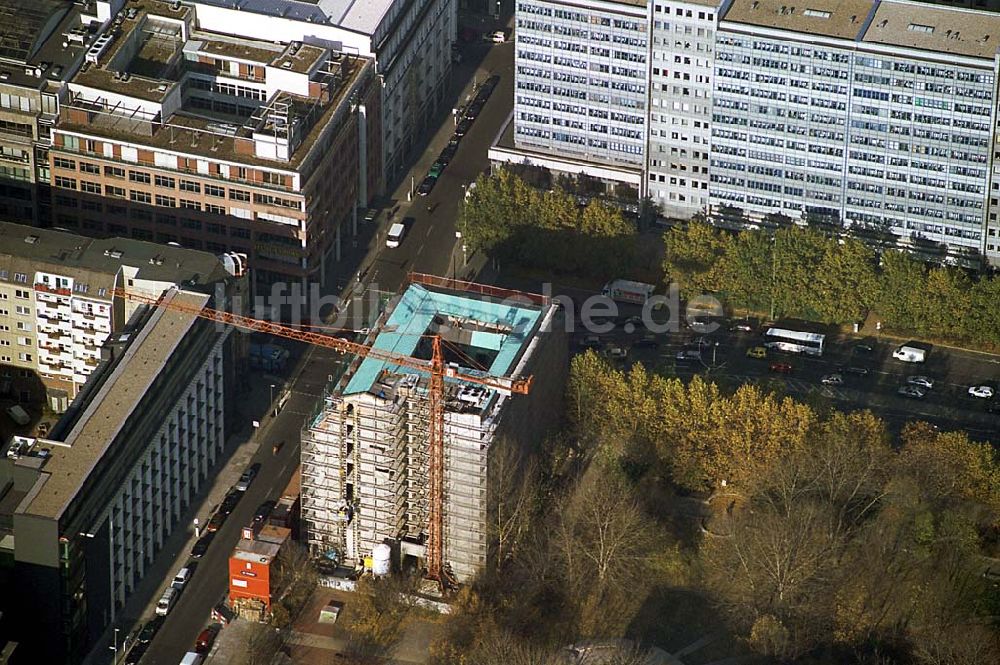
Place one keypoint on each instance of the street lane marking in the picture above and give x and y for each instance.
(429, 229)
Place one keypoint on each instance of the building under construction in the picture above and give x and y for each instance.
(366, 453)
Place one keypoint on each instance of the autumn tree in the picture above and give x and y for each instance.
(378, 616)
(692, 257)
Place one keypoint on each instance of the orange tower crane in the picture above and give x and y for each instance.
(436, 368)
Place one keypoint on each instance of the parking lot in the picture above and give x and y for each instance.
(867, 374)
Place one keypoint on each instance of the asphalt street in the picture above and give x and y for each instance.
(724, 360)
(430, 246)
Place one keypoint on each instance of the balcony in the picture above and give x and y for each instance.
(44, 288)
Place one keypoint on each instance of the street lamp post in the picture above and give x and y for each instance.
(115, 646)
(774, 269)
(274, 411)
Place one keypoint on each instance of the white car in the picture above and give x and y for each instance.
(832, 380)
(922, 381)
(395, 235)
(983, 392)
(498, 37)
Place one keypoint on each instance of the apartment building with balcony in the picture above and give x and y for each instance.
(56, 297)
(409, 40)
(175, 134)
(42, 43)
(92, 505)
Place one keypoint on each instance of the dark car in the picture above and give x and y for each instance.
(228, 504)
(649, 341)
(426, 186)
(463, 127)
(449, 152)
(488, 85)
(781, 368)
(475, 108)
(149, 631)
(201, 546)
(206, 639)
(136, 653)
(864, 348)
(853, 369)
(264, 510)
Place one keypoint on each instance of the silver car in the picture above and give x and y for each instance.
(832, 380)
(922, 381)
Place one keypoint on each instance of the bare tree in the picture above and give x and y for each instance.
(295, 575)
(605, 543)
(512, 497)
(260, 645)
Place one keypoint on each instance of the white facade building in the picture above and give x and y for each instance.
(868, 114)
(56, 292)
(680, 113)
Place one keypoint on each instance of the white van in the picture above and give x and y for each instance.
(166, 602)
(192, 658)
(181, 578)
(910, 354)
(395, 236)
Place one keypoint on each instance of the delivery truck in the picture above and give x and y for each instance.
(624, 290)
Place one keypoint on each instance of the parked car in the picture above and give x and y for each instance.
(856, 370)
(487, 86)
(757, 352)
(218, 519)
(982, 392)
(688, 354)
(832, 380)
(206, 639)
(448, 153)
(780, 368)
(864, 347)
(149, 630)
(436, 169)
(229, 501)
(617, 352)
(474, 109)
(247, 477)
(263, 511)
(136, 653)
(463, 127)
(395, 235)
(201, 546)
(591, 342)
(922, 381)
(497, 37)
(181, 578)
(741, 326)
(427, 185)
(166, 601)
(913, 392)
(370, 215)
(648, 341)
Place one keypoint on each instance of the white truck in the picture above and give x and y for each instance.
(910, 354)
(625, 290)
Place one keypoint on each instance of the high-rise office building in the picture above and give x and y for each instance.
(864, 114)
(876, 115)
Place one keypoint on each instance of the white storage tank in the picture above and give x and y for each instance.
(381, 560)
